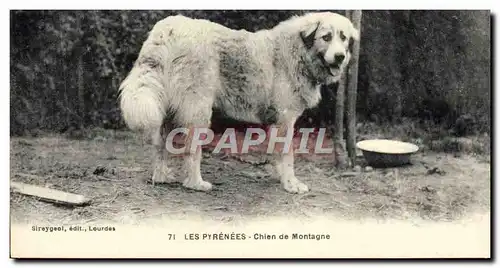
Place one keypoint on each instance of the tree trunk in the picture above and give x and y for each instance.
(80, 79)
(352, 89)
(81, 92)
(338, 137)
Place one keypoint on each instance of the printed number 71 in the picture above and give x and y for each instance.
(171, 236)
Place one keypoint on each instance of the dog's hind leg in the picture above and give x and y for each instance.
(161, 172)
(196, 119)
(284, 162)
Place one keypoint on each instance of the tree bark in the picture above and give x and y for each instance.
(352, 89)
(338, 137)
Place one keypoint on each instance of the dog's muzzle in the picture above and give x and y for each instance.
(334, 71)
(333, 68)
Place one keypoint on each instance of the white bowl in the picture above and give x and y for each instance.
(386, 153)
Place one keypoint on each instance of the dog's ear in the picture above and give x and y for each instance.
(351, 44)
(354, 38)
(309, 34)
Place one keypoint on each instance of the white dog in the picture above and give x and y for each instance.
(189, 68)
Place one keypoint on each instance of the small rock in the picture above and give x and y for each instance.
(436, 170)
(428, 189)
(317, 170)
(357, 168)
(99, 170)
(368, 169)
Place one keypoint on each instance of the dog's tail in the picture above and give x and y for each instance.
(141, 99)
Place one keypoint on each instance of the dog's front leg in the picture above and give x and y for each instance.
(284, 159)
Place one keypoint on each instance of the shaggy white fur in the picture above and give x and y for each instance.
(189, 68)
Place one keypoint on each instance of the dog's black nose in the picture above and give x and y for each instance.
(339, 58)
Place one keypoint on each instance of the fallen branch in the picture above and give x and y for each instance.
(350, 174)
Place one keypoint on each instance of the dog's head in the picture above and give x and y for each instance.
(329, 37)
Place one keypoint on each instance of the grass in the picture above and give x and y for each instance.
(428, 137)
(112, 169)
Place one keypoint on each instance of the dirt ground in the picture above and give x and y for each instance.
(112, 169)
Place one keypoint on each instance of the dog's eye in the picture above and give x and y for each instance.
(327, 37)
(342, 36)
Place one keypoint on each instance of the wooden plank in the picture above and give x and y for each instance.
(50, 195)
(352, 91)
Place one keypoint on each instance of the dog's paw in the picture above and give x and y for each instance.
(199, 185)
(295, 186)
(163, 175)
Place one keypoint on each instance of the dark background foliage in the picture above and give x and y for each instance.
(66, 66)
